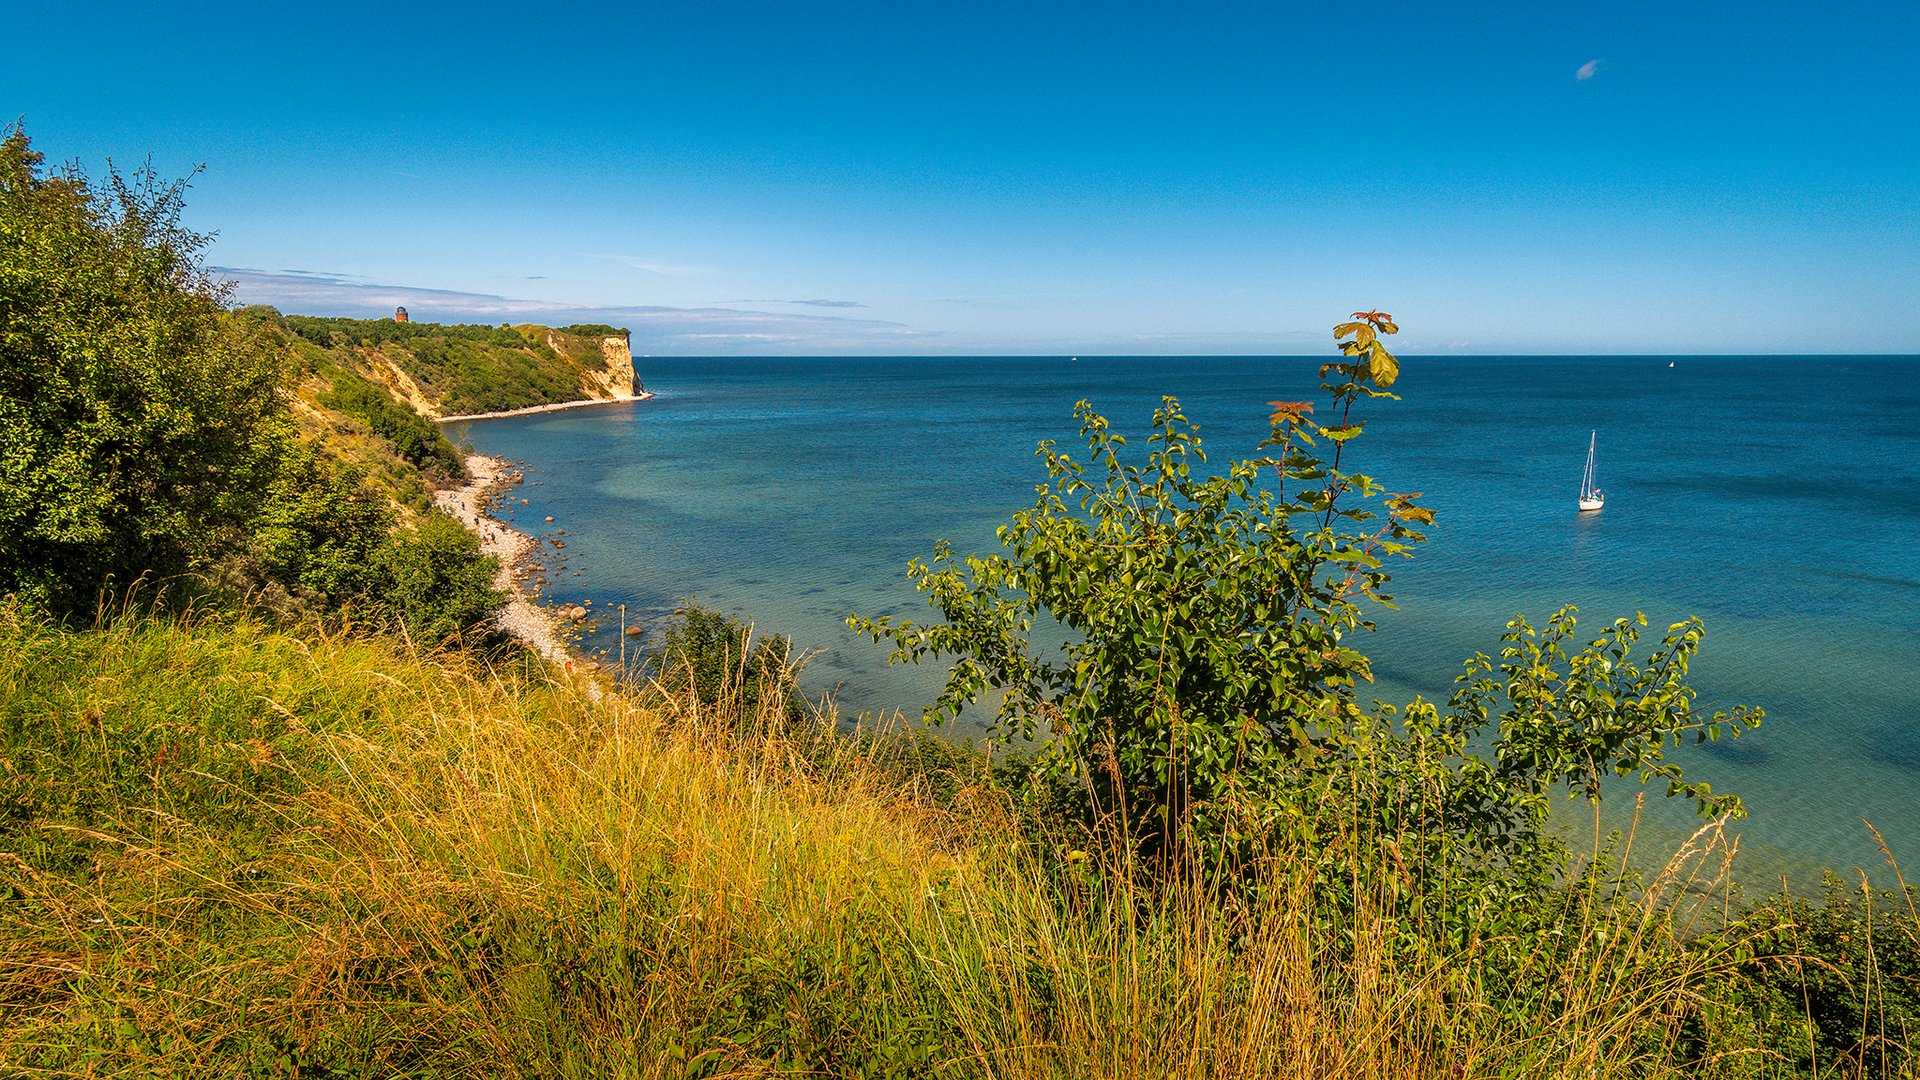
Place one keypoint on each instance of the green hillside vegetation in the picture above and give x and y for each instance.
(149, 435)
(285, 809)
(462, 370)
(416, 440)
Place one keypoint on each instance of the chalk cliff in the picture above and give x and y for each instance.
(616, 380)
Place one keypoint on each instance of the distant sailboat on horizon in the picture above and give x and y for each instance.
(1590, 496)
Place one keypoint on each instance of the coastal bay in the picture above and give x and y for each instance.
(535, 410)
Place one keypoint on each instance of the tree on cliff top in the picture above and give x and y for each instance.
(138, 424)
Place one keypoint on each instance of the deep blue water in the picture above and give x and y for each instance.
(1778, 498)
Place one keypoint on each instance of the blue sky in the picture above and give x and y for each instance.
(1051, 178)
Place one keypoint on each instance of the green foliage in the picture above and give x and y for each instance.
(1829, 987)
(1209, 691)
(416, 439)
(714, 658)
(138, 423)
(327, 332)
(594, 330)
(464, 369)
(317, 533)
(477, 377)
(144, 430)
(326, 541)
(434, 579)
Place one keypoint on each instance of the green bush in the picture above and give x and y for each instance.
(318, 531)
(1829, 987)
(138, 422)
(326, 541)
(1207, 701)
(433, 578)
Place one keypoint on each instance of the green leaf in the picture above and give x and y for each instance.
(1382, 365)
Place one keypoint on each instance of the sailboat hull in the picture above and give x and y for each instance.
(1590, 497)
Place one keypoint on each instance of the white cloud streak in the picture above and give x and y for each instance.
(655, 329)
(652, 266)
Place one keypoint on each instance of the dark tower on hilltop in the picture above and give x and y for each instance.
(399, 314)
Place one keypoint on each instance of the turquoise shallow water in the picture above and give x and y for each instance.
(1778, 498)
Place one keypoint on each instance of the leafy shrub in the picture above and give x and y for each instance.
(1208, 699)
(1829, 987)
(433, 578)
(138, 422)
(326, 541)
(316, 535)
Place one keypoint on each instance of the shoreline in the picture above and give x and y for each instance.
(533, 409)
(521, 617)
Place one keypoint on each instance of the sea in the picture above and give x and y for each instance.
(1777, 498)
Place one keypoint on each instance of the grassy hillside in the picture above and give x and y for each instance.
(238, 851)
(234, 851)
(457, 370)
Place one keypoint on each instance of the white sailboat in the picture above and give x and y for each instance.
(1590, 496)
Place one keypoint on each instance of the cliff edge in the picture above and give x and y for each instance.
(615, 380)
(442, 371)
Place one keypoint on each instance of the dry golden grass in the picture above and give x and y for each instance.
(294, 854)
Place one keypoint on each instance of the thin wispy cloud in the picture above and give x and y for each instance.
(1587, 70)
(653, 266)
(329, 275)
(1015, 298)
(655, 329)
(804, 303)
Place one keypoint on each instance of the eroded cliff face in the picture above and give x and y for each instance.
(616, 381)
(400, 384)
(620, 380)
